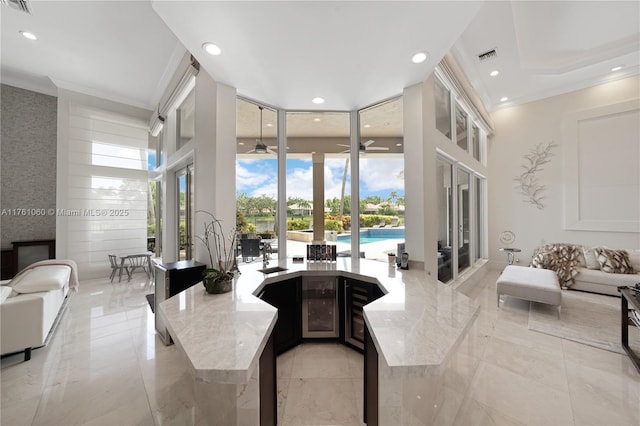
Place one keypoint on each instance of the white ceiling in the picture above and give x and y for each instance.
(545, 48)
(350, 53)
(120, 51)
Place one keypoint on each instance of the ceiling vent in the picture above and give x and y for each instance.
(488, 55)
(22, 5)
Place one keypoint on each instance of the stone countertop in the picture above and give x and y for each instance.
(415, 326)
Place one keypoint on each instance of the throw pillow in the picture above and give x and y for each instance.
(590, 258)
(5, 292)
(634, 259)
(614, 261)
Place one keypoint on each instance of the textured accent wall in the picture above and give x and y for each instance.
(28, 165)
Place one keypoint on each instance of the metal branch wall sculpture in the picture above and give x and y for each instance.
(528, 182)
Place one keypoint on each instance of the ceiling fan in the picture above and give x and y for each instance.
(260, 147)
(365, 147)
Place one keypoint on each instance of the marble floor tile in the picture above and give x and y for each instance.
(321, 401)
(542, 366)
(473, 412)
(105, 365)
(321, 360)
(515, 396)
(603, 397)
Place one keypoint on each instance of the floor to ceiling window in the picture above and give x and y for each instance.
(317, 169)
(381, 183)
(479, 217)
(462, 135)
(464, 218)
(444, 199)
(317, 185)
(256, 173)
(184, 184)
(461, 223)
(443, 108)
(185, 120)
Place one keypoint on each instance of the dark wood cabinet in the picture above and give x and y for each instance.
(268, 384)
(370, 380)
(286, 297)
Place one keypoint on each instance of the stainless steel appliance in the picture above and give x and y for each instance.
(320, 307)
(171, 279)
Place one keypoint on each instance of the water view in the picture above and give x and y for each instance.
(375, 235)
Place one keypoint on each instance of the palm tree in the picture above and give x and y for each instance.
(344, 182)
(393, 196)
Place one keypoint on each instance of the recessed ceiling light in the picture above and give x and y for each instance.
(618, 68)
(494, 73)
(419, 57)
(316, 120)
(398, 144)
(27, 34)
(366, 126)
(504, 99)
(269, 125)
(212, 49)
(317, 100)
(240, 143)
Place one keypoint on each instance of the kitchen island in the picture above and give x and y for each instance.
(422, 332)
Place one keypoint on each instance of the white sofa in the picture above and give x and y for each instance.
(592, 278)
(30, 304)
(593, 269)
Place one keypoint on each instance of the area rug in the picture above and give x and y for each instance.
(587, 318)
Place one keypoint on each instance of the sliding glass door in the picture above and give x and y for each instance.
(464, 219)
(184, 184)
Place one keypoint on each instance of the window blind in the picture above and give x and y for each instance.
(106, 200)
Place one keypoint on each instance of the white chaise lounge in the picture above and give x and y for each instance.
(533, 284)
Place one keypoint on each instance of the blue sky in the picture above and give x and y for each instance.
(378, 176)
(255, 177)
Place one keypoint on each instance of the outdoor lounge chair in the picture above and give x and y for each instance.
(250, 248)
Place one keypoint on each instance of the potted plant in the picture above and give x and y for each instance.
(218, 278)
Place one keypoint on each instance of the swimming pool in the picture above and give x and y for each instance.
(375, 235)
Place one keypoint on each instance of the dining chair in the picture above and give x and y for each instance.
(139, 261)
(117, 267)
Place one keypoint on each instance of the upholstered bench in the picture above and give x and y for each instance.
(533, 284)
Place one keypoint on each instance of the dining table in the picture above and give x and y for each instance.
(134, 261)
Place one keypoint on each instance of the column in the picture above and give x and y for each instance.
(318, 197)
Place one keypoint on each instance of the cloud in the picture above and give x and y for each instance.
(379, 174)
(333, 175)
(259, 177)
(300, 182)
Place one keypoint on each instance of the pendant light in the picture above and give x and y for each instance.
(260, 148)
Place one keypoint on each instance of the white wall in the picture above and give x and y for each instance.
(423, 186)
(518, 130)
(413, 172)
(214, 157)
